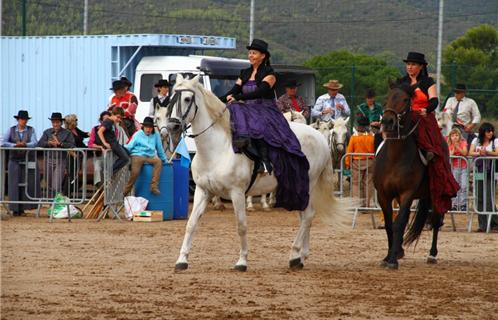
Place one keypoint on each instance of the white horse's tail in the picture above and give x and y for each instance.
(331, 210)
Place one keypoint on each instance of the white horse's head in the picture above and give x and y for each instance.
(339, 134)
(324, 127)
(444, 122)
(161, 120)
(294, 116)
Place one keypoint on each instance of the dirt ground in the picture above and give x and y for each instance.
(112, 270)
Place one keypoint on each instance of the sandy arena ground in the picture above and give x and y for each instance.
(112, 270)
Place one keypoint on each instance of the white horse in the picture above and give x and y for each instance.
(169, 140)
(217, 170)
(444, 122)
(294, 116)
(339, 139)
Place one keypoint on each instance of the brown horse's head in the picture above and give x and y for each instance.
(397, 108)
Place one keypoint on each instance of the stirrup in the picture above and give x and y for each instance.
(265, 167)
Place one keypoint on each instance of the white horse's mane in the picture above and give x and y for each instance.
(215, 108)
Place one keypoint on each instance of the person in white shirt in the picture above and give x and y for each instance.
(463, 112)
(331, 105)
(162, 98)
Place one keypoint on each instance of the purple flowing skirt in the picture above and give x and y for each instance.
(261, 119)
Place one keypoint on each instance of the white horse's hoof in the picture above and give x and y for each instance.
(181, 266)
(296, 264)
(240, 268)
(431, 260)
(250, 209)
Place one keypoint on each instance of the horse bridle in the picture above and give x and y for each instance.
(175, 101)
(399, 117)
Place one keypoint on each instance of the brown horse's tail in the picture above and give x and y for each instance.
(417, 225)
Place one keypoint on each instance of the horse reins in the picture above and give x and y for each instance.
(399, 117)
(174, 101)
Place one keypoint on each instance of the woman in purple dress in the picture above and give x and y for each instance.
(257, 122)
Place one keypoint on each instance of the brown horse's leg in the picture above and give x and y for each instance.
(387, 210)
(437, 222)
(399, 230)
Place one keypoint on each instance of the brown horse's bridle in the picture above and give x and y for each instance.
(399, 118)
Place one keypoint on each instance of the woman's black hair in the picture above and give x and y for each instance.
(102, 114)
(485, 126)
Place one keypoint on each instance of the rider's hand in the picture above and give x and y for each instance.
(340, 106)
(327, 111)
(422, 112)
(230, 98)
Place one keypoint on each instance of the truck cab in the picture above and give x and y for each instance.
(217, 75)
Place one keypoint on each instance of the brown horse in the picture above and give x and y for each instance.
(400, 174)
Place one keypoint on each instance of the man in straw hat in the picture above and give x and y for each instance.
(145, 147)
(21, 136)
(331, 105)
(463, 112)
(55, 162)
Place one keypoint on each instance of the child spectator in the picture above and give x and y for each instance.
(362, 165)
(458, 147)
(107, 135)
(145, 146)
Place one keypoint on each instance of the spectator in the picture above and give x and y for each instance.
(485, 146)
(95, 143)
(21, 136)
(463, 112)
(458, 147)
(372, 110)
(109, 139)
(331, 105)
(71, 124)
(146, 147)
(55, 162)
(361, 165)
(128, 102)
(162, 98)
(291, 101)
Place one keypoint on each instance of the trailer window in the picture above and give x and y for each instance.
(147, 90)
(221, 84)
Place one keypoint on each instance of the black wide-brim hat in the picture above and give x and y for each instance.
(148, 122)
(162, 83)
(416, 57)
(126, 81)
(22, 114)
(460, 87)
(291, 83)
(259, 45)
(56, 116)
(362, 121)
(118, 84)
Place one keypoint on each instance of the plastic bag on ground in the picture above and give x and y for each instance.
(59, 209)
(133, 205)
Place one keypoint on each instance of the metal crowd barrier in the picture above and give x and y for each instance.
(42, 174)
(114, 185)
(360, 178)
(485, 176)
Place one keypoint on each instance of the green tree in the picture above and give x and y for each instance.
(473, 59)
(358, 72)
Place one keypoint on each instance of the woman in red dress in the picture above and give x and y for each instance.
(443, 185)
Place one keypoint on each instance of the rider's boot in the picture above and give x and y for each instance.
(265, 165)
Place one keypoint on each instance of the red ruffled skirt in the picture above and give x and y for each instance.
(442, 184)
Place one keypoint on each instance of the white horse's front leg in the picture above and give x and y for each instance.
(249, 204)
(201, 199)
(300, 247)
(264, 203)
(238, 200)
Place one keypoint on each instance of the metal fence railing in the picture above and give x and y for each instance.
(477, 178)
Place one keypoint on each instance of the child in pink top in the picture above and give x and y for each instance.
(458, 148)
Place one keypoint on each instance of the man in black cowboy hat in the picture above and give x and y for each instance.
(291, 101)
(145, 147)
(162, 98)
(463, 111)
(21, 136)
(55, 166)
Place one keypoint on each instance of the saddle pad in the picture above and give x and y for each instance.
(422, 158)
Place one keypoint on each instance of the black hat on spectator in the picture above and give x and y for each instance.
(363, 121)
(22, 114)
(460, 87)
(416, 57)
(118, 84)
(260, 45)
(126, 81)
(148, 122)
(370, 94)
(291, 83)
(162, 83)
(56, 116)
